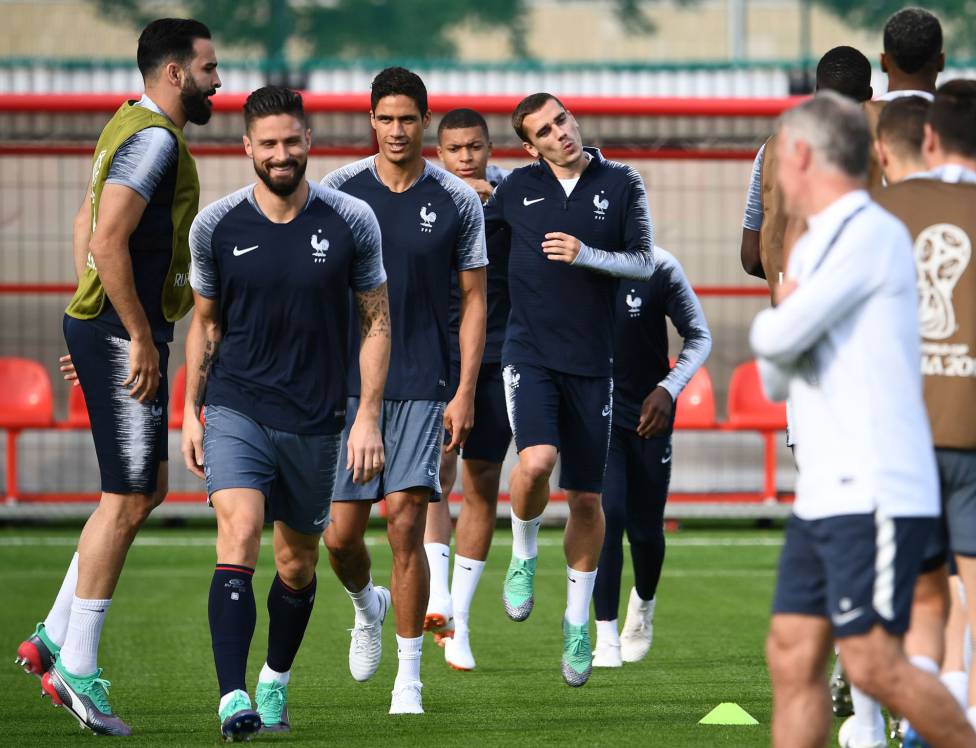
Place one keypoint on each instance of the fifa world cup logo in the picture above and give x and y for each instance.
(942, 255)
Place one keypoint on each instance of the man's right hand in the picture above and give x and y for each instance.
(143, 379)
(191, 443)
(482, 187)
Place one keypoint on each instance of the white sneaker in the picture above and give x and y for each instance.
(848, 738)
(406, 698)
(366, 647)
(457, 651)
(638, 631)
(439, 614)
(607, 654)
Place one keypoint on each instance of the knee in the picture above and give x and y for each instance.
(128, 512)
(341, 545)
(405, 531)
(586, 507)
(788, 661)
(240, 536)
(296, 567)
(536, 465)
(873, 674)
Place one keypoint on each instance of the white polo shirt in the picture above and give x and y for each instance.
(845, 347)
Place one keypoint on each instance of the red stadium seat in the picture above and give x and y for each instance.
(176, 398)
(77, 410)
(26, 401)
(696, 403)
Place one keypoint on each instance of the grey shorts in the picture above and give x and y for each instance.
(956, 533)
(295, 472)
(412, 435)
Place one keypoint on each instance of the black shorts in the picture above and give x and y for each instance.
(635, 487)
(855, 570)
(571, 413)
(491, 435)
(956, 531)
(130, 437)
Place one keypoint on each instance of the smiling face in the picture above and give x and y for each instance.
(199, 82)
(399, 126)
(278, 146)
(465, 151)
(553, 135)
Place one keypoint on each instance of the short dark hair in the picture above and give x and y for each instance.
(397, 81)
(846, 71)
(459, 119)
(913, 39)
(901, 124)
(271, 100)
(953, 117)
(168, 39)
(530, 105)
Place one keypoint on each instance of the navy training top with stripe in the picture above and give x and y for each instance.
(283, 290)
(499, 243)
(430, 231)
(147, 163)
(562, 314)
(641, 337)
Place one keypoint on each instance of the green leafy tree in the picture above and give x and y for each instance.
(362, 28)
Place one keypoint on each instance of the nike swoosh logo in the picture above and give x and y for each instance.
(239, 252)
(320, 522)
(446, 555)
(466, 568)
(606, 411)
(572, 580)
(665, 460)
(842, 619)
(431, 473)
(526, 202)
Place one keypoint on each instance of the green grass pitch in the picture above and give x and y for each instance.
(711, 619)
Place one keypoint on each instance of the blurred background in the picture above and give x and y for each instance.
(683, 91)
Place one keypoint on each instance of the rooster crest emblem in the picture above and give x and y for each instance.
(600, 205)
(634, 303)
(320, 247)
(427, 218)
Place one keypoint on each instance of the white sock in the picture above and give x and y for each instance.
(926, 664)
(579, 593)
(867, 719)
(438, 558)
(525, 533)
(408, 651)
(56, 623)
(366, 602)
(606, 631)
(79, 655)
(957, 682)
(225, 699)
(273, 676)
(467, 574)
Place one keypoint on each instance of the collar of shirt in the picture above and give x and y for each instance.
(952, 173)
(892, 95)
(822, 228)
(593, 159)
(151, 105)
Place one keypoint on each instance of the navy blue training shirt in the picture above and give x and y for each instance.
(562, 314)
(499, 243)
(283, 290)
(641, 337)
(430, 231)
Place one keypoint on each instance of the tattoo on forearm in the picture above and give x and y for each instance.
(374, 312)
(209, 354)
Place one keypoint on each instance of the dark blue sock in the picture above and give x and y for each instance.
(288, 614)
(232, 614)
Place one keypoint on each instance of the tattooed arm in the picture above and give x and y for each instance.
(365, 445)
(202, 342)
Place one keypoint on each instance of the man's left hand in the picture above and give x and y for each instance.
(561, 247)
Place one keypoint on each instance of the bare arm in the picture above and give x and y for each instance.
(459, 415)
(749, 254)
(82, 234)
(365, 447)
(119, 212)
(202, 343)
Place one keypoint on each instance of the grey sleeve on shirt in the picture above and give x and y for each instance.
(367, 266)
(204, 276)
(471, 250)
(753, 217)
(688, 318)
(142, 160)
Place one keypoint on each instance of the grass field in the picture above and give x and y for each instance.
(711, 619)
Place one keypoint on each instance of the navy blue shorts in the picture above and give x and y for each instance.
(491, 434)
(956, 531)
(856, 570)
(130, 437)
(635, 487)
(295, 472)
(571, 413)
(413, 431)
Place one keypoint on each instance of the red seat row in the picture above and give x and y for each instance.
(27, 402)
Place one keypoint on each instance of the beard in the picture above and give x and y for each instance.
(282, 187)
(195, 103)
